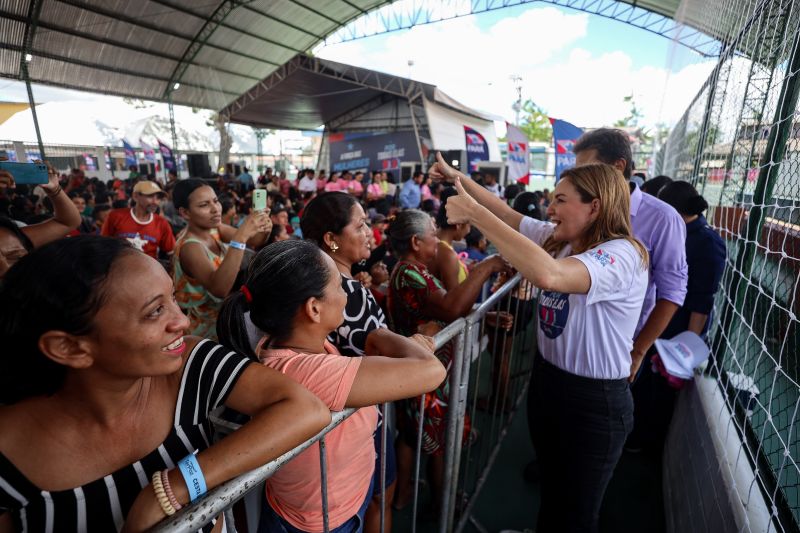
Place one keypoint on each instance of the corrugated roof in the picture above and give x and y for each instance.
(216, 49)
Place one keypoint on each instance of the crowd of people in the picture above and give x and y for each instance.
(134, 309)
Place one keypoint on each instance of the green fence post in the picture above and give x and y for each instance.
(767, 176)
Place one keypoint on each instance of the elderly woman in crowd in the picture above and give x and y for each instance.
(415, 299)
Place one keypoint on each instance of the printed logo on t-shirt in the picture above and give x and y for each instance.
(553, 313)
(604, 258)
(136, 240)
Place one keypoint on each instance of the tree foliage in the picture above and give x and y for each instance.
(535, 123)
(631, 120)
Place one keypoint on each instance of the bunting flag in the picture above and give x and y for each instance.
(517, 160)
(166, 155)
(149, 152)
(564, 137)
(130, 154)
(477, 148)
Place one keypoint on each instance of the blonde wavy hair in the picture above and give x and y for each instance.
(606, 184)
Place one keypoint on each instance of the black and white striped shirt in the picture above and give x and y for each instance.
(102, 504)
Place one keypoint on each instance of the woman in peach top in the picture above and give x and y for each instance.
(291, 337)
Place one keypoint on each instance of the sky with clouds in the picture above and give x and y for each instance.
(576, 66)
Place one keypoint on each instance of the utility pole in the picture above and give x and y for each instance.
(517, 105)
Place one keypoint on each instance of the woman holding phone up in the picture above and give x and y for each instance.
(593, 276)
(208, 253)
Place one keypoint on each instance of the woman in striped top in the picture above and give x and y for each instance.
(101, 392)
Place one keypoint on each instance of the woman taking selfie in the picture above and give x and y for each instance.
(103, 395)
(209, 254)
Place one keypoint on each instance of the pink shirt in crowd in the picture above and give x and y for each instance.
(355, 187)
(339, 185)
(293, 491)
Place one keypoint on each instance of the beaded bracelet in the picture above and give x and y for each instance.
(161, 495)
(168, 489)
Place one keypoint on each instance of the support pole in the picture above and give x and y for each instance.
(110, 162)
(416, 130)
(175, 154)
(32, 104)
(34, 10)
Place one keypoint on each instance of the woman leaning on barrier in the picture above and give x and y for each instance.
(336, 222)
(291, 336)
(416, 298)
(103, 395)
(593, 277)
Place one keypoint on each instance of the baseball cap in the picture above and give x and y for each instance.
(147, 188)
(682, 353)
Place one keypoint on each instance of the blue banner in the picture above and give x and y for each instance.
(166, 155)
(564, 137)
(372, 151)
(130, 154)
(477, 149)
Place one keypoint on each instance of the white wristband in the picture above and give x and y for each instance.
(238, 245)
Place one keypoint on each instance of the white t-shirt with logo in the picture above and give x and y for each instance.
(591, 335)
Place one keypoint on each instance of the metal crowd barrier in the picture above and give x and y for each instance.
(466, 465)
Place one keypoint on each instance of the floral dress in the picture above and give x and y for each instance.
(409, 288)
(197, 302)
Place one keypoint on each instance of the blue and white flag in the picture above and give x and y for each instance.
(166, 156)
(149, 152)
(130, 154)
(517, 160)
(564, 137)
(477, 149)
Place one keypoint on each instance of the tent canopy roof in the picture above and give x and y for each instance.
(308, 92)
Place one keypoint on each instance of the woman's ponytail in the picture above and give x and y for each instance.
(232, 324)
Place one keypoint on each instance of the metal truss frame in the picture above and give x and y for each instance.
(403, 15)
(370, 79)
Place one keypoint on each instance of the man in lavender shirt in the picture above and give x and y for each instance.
(658, 226)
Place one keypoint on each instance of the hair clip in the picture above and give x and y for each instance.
(248, 297)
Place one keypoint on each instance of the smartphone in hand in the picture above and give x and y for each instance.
(26, 173)
(259, 200)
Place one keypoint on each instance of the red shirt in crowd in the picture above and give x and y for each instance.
(149, 236)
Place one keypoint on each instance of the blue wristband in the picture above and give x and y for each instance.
(238, 245)
(193, 476)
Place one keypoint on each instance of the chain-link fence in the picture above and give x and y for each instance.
(739, 143)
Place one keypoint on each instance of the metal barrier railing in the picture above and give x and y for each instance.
(463, 477)
(507, 354)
